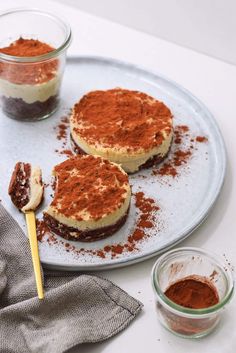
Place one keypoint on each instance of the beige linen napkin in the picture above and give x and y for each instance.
(76, 308)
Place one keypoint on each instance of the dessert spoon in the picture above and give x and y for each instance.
(26, 192)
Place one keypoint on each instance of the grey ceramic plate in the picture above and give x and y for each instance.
(185, 201)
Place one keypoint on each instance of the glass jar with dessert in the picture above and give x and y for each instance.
(192, 287)
(33, 47)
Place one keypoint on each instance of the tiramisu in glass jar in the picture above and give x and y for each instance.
(33, 48)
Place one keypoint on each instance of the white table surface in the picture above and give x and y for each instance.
(212, 81)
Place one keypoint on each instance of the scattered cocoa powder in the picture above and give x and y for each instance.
(183, 128)
(201, 139)
(147, 208)
(179, 131)
(145, 204)
(100, 253)
(62, 135)
(179, 155)
(117, 249)
(178, 158)
(178, 140)
(181, 151)
(62, 131)
(67, 153)
(138, 234)
(145, 221)
(229, 264)
(213, 275)
(107, 248)
(166, 169)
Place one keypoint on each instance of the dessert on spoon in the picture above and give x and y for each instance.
(26, 192)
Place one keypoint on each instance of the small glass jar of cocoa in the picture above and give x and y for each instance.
(192, 287)
(33, 47)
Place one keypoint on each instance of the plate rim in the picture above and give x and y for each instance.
(118, 263)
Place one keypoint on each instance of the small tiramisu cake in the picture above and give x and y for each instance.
(127, 127)
(26, 187)
(91, 201)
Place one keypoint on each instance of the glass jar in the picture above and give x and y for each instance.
(179, 264)
(30, 85)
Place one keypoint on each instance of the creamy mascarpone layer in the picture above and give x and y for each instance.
(30, 93)
(88, 223)
(130, 161)
(36, 190)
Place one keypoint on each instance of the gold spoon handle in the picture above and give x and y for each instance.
(31, 226)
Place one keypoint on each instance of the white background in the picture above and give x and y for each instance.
(213, 82)
(208, 26)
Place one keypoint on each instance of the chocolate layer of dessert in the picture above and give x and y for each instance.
(149, 163)
(19, 109)
(84, 236)
(19, 187)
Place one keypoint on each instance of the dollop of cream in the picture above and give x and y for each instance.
(36, 190)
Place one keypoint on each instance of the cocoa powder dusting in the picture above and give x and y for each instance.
(88, 185)
(146, 219)
(138, 234)
(27, 48)
(62, 135)
(30, 73)
(201, 139)
(179, 154)
(62, 131)
(182, 128)
(181, 157)
(213, 275)
(166, 169)
(182, 149)
(132, 120)
(67, 153)
(194, 293)
(147, 207)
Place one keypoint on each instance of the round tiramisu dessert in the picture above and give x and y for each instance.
(26, 187)
(28, 90)
(127, 127)
(91, 201)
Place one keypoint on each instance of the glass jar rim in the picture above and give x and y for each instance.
(52, 54)
(188, 311)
